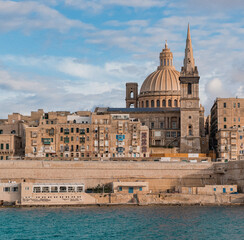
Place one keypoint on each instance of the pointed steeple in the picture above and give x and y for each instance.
(189, 62)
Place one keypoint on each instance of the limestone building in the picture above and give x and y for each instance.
(230, 144)
(84, 135)
(168, 103)
(225, 113)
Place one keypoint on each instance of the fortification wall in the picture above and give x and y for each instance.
(160, 175)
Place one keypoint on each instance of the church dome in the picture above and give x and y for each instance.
(161, 81)
(162, 87)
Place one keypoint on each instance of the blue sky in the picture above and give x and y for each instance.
(78, 54)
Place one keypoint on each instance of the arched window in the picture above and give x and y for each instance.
(152, 103)
(142, 104)
(158, 103)
(164, 62)
(170, 103)
(164, 103)
(189, 88)
(13, 132)
(167, 62)
(175, 103)
(147, 104)
(190, 130)
(131, 94)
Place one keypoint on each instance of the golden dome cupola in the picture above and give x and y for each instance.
(162, 87)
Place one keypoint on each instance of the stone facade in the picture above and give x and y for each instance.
(86, 135)
(225, 113)
(230, 144)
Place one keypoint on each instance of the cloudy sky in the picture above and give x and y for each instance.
(78, 54)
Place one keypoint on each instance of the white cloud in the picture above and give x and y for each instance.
(32, 15)
(97, 5)
(82, 86)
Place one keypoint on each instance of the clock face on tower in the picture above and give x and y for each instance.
(188, 60)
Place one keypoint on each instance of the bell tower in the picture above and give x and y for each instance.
(190, 107)
(131, 95)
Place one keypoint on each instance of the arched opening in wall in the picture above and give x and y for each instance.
(167, 62)
(13, 132)
(170, 103)
(189, 88)
(152, 103)
(132, 105)
(175, 103)
(164, 62)
(142, 104)
(164, 103)
(158, 103)
(190, 130)
(131, 94)
(147, 103)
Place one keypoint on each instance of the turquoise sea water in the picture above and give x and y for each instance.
(147, 222)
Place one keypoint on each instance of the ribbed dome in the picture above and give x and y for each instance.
(161, 81)
(164, 81)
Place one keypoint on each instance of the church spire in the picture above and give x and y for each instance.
(189, 62)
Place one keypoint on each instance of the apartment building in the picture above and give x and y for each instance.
(225, 113)
(230, 144)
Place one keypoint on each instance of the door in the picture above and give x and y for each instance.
(224, 190)
(131, 190)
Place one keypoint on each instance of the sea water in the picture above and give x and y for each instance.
(147, 222)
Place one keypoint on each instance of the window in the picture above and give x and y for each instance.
(239, 119)
(142, 104)
(189, 88)
(54, 189)
(231, 189)
(164, 103)
(87, 130)
(214, 189)
(140, 188)
(234, 119)
(1, 146)
(167, 62)
(15, 189)
(61, 130)
(162, 125)
(72, 130)
(239, 105)
(234, 105)
(71, 189)
(147, 104)
(1, 131)
(61, 138)
(37, 189)
(120, 189)
(224, 119)
(6, 189)
(167, 134)
(45, 189)
(13, 132)
(152, 124)
(174, 125)
(7, 146)
(77, 130)
(158, 103)
(169, 103)
(63, 189)
(173, 134)
(175, 103)
(225, 126)
(190, 130)
(131, 94)
(79, 189)
(152, 103)
(224, 105)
